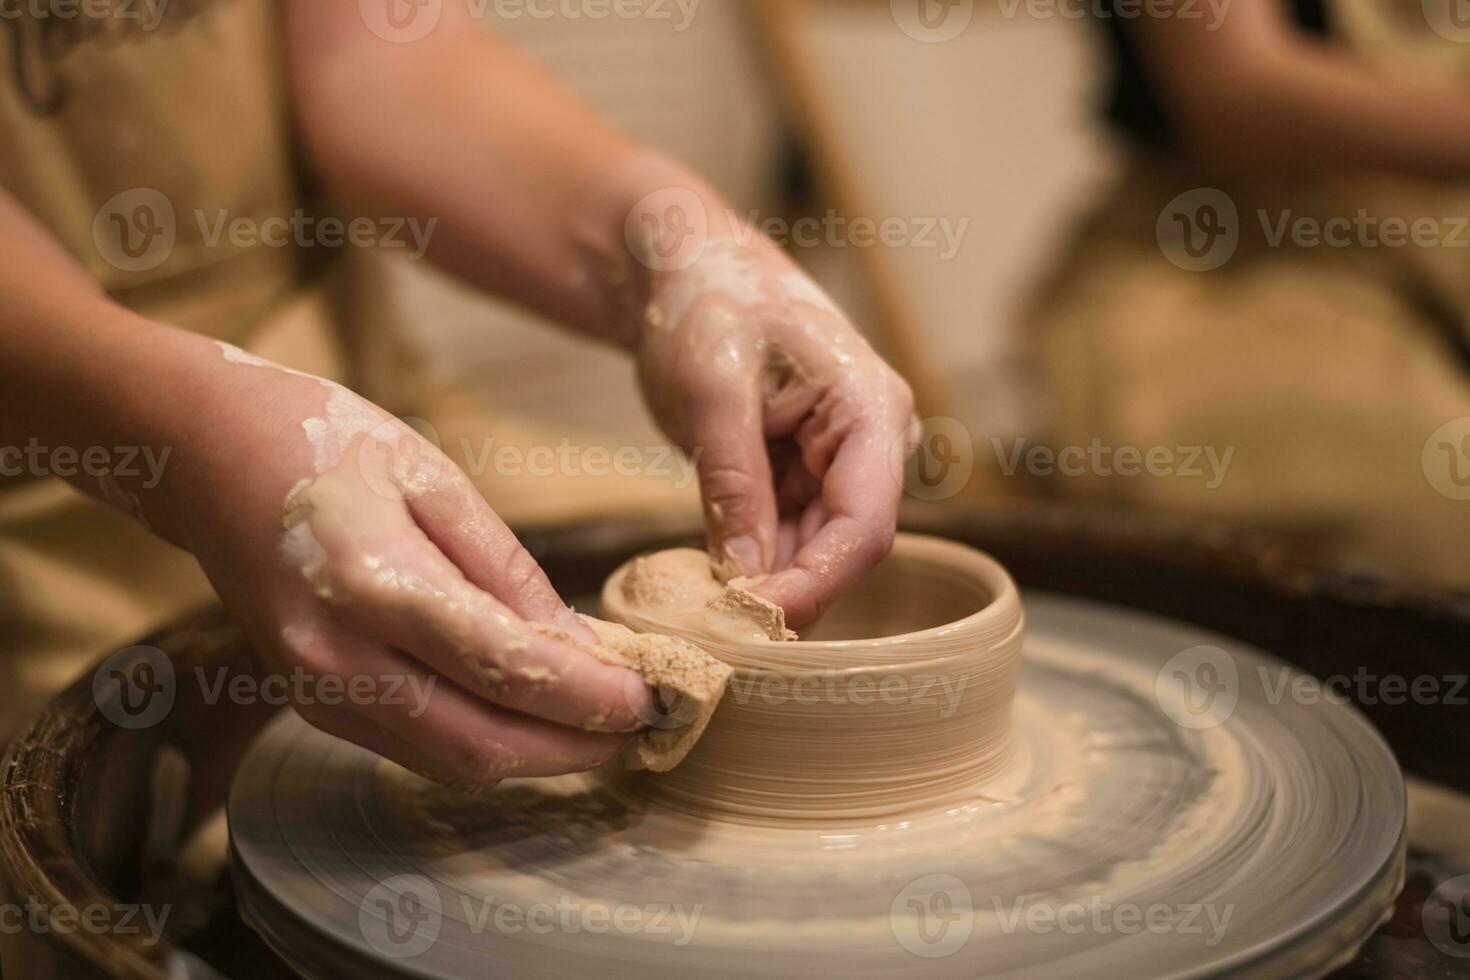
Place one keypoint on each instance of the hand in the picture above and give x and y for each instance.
(798, 429)
(353, 550)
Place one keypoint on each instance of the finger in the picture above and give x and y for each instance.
(412, 597)
(427, 724)
(798, 489)
(813, 519)
(823, 432)
(470, 534)
(789, 405)
(735, 477)
(861, 498)
(788, 542)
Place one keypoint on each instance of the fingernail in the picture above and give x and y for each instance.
(745, 553)
(641, 701)
(567, 619)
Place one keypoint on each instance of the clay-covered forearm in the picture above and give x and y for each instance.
(1254, 93)
(529, 191)
(83, 380)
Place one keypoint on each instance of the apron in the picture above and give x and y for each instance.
(131, 131)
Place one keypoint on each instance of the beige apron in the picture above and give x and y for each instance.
(1336, 375)
(129, 136)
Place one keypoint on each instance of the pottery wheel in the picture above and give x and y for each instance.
(1171, 810)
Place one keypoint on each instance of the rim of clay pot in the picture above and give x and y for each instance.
(990, 624)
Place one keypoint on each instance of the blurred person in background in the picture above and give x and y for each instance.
(1280, 278)
(183, 370)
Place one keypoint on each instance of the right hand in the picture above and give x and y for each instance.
(398, 574)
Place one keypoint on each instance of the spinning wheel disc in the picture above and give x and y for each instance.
(1169, 810)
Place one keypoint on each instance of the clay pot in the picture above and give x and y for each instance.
(896, 703)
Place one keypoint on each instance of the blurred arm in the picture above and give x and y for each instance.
(530, 190)
(1256, 93)
(79, 371)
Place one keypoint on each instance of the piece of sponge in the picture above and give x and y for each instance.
(687, 681)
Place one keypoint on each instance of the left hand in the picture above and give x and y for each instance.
(798, 429)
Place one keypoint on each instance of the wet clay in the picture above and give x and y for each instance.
(685, 589)
(898, 704)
